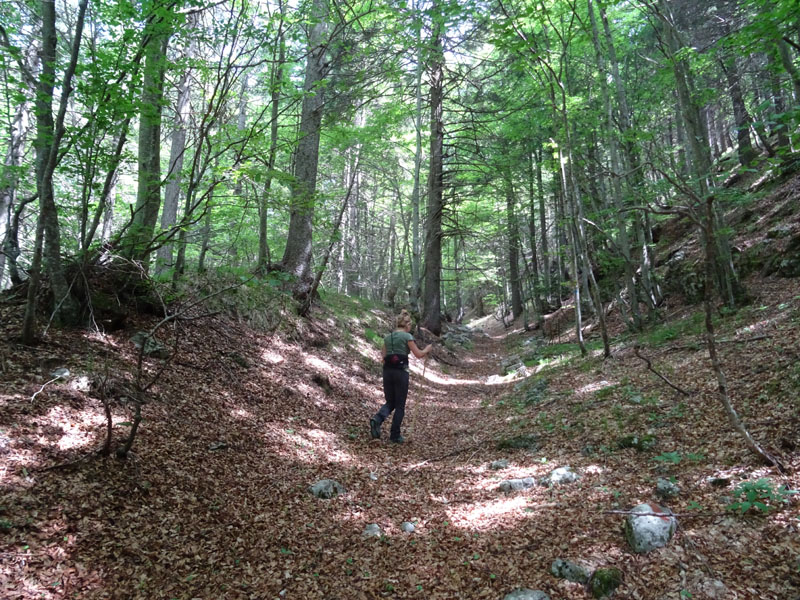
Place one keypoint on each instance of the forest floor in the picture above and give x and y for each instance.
(213, 501)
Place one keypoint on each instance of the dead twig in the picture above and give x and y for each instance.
(660, 376)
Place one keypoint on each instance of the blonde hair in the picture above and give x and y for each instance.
(402, 320)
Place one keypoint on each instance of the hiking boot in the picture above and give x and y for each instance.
(374, 429)
(398, 440)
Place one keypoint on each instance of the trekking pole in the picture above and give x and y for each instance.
(425, 365)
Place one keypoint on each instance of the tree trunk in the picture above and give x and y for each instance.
(431, 311)
(745, 149)
(536, 291)
(49, 133)
(513, 251)
(17, 135)
(416, 284)
(701, 160)
(297, 255)
(275, 97)
(623, 239)
(148, 192)
(172, 192)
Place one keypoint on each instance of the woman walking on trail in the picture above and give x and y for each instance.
(396, 347)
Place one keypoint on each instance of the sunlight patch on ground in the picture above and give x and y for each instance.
(755, 327)
(318, 363)
(483, 515)
(444, 379)
(241, 413)
(99, 336)
(271, 357)
(308, 445)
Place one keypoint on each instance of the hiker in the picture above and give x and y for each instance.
(396, 347)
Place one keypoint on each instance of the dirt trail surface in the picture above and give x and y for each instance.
(214, 501)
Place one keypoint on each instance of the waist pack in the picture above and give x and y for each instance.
(395, 361)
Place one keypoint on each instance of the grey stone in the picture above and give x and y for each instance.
(560, 476)
(665, 489)
(517, 485)
(499, 464)
(60, 373)
(566, 569)
(326, 489)
(151, 346)
(526, 594)
(407, 527)
(649, 531)
(372, 530)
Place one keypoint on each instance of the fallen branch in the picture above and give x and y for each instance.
(660, 376)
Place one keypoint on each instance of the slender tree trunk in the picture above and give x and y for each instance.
(205, 241)
(532, 193)
(297, 255)
(148, 193)
(431, 312)
(513, 251)
(701, 160)
(416, 282)
(275, 97)
(786, 60)
(49, 133)
(9, 177)
(172, 192)
(745, 149)
(623, 240)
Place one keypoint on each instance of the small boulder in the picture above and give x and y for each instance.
(526, 594)
(665, 489)
(560, 476)
(372, 530)
(151, 346)
(499, 464)
(326, 489)
(407, 527)
(517, 485)
(566, 569)
(651, 530)
(604, 581)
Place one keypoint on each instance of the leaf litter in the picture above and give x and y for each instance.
(213, 501)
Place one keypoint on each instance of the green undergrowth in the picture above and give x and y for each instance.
(260, 301)
(673, 330)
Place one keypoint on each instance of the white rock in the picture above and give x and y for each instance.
(526, 594)
(407, 527)
(499, 464)
(560, 476)
(650, 531)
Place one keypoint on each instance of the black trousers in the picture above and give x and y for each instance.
(395, 391)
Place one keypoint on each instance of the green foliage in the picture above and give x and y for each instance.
(693, 325)
(760, 495)
(519, 442)
(672, 458)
